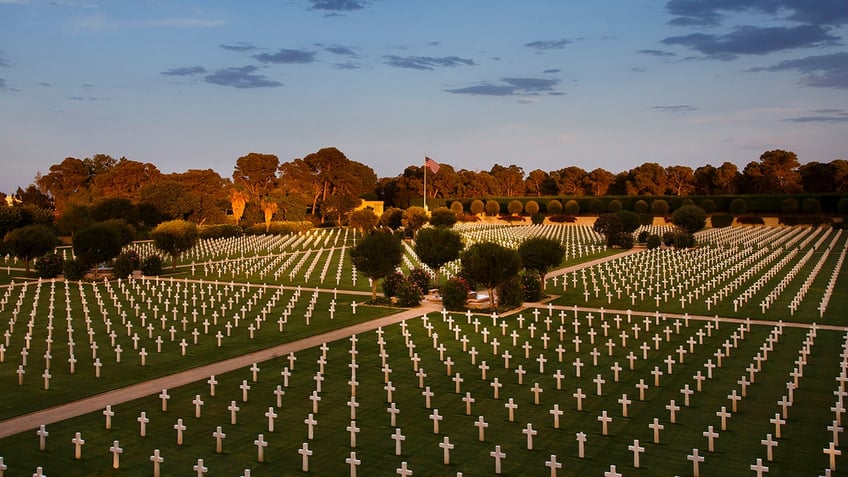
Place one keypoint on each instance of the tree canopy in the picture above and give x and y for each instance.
(31, 241)
(376, 256)
(175, 237)
(436, 246)
(97, 244)
(540, 254)
(490, 264)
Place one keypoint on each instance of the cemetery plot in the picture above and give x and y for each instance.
(534, 394)
(759, 272)
(61, 341)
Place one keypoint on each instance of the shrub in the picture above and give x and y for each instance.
(390, 284)
(74, 269)
(653, 241)
(842, 206)
(456, 207)
(646, 219)
(537, 219)
(684, 240)
(738, 206)
(642, 237)
(686, 202)
(220, 231)
(641, 207)
(708, 205)
(659, 208)
(511, 218)
(49, 265)
(510, 293)
(284, 228)
(790, 206)
(408, 294)
(811, 205)
(515, 207)
(532, 287)
(467, 218)
(492, 207)
(442, 217)
(750, 220)
(152, 266)
(624, 240)
(562, 218)
(668, 238)
(596, 206)
(420, 278)
(690, 218)
(572, 207)
(721, 220)
(803, 220)
(629, 221)
(531, 208)
(614, 206)
(477, 207)
(125, 263)
(554, 207)
(454, 293)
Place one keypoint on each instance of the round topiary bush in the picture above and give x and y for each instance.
(454, 293)
(477, 207)
(641, 207)
(74, 269)
(514, 207)
(456, 207)
(572, 207)
(614, 206)
(49, 266)
(554, 207)
(653, 241)
(811, 205)
(151, 266)
(408, 294)
(531, 207)
(708, 205)
(738, 206)
(492, 207)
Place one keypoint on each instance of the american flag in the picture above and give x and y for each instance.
(431, 164)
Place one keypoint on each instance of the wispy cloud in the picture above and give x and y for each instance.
(338, 5)
(185, 22)
(751, 40)
(659, 53)
(287, 56)
(714, 12)
(2, 84)
(239, 46)
(185, 71)
(340, 50)
(243, 78)
(675, 108)
(821, 71)
(511, 87)
(549, 44)
(427, 62)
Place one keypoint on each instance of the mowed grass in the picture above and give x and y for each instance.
(799, 451)
(68, 301)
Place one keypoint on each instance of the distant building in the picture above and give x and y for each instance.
(375, 205)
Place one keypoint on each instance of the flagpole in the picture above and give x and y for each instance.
(425, 183)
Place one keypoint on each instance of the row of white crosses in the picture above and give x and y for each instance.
(547, 324)
(155, 316)
(709, 275)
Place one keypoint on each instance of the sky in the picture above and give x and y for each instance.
(542, 84)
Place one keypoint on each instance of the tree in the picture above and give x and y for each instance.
(608, 225)
(175, 237)
(630, 221)
(598, 181)
(364, 220)
(690, 218)
(510, 179)
(648, 179)
(725, 178)
(170, 199)
(339, 206)
(681, 180)
(238, 201)
(392, 218)
(442, 217)
(540, 254)
(376, 256)
(66, 182)
(29, 242)
(124, 179)
(97, 244)
(570, 180)
(436, 246)
(534, 184)
(490, 264)
(256, 173)
(659, 208)
(269, 208)
(780, 169)
(414, 218)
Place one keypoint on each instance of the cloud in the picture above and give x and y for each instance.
(821, 71)
(241, 78)
(835, 116)
(2, 84)
(185, 22)
(240, 46)
(286, 56)
(552, 71)
(675, 108)
(713, 12)
(548, 44)
(660, 53)
(751, 40)
(340, 50)
(185, 71)
(338, 5)
(427, 62)
(348, 65)
(511, 87)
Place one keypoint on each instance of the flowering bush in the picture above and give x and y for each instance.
(454, 293)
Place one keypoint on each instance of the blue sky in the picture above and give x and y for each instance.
(539, 83)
